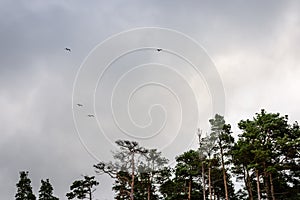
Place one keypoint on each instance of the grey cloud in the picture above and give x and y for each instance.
(254, 45)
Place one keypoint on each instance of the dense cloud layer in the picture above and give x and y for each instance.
(254, 46)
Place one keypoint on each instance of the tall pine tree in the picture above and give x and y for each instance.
(224, 143)
(83, 189)
(24, 189)
(46, 191)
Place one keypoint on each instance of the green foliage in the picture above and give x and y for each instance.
(266, 157)
(24, 189)
(175, 182)
(270, 146)
(188, 164)
(188, 171)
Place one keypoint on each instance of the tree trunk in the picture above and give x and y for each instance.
(190, 188)
(266, 182)
(203, 181)
(209, 183)
(214, 192)
(150, 181)
(257, 185)
(224, 173)
(272, 187)
(149, 191)
(90, 193)
(132, 177)
(248, 183)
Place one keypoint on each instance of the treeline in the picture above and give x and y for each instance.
(24, 189)
(264, 160)
(80, 189)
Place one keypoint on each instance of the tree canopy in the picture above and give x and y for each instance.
(46, 191)
(264, 159)
(24, 189)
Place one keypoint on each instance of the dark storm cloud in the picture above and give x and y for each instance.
(37, 133)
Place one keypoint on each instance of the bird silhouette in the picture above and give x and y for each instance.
(68, 49)
(79, 105)
(91, 116)
(158, 49)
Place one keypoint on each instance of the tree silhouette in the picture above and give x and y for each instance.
(46, 191)
(83, 189)
(24, 189)
(125, 165)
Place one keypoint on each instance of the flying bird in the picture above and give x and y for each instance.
(91, 116)
(158, 49)
(79, 105)
(68, 49)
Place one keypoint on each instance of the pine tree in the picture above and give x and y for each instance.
(83, 189)
(188, 169)
(149, 172)
(24, 189)
(224, 143)
(46, 191)
(127, 164)
(274, 147)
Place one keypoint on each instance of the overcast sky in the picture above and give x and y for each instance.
(254, 45)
